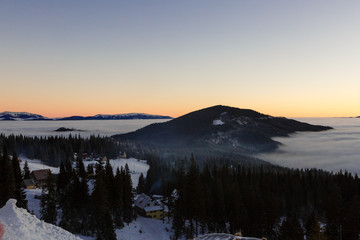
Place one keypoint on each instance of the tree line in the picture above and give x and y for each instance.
(53, 150)
(260, 201)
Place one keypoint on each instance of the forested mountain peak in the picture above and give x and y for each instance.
(219, 130)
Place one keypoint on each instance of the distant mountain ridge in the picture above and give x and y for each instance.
(20, 116)
(24, 116)
(219, 131)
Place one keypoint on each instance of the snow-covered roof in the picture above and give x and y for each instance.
(143, 201)
(153, 208)
(149, 204)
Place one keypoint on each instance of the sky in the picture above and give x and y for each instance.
(283, 58)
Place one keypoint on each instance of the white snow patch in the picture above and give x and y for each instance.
(33, 203)
(145, 228)
(218, 122)
(19, 224)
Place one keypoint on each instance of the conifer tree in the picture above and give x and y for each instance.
(26, 171)
(128, 197)
(48, 201)
(141, 184)
(118, 207)
(19, 192)
(7, 180)
(102, 223)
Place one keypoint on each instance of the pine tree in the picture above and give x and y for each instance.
(7, 180)
(26, 171)
(102, 223)
(118, 206)
(19, 192)
(128, 197)
(48, 201)
(141, 184)
(192, 189)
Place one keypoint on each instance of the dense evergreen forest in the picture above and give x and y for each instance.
(263, 201)
(214, 196)
(54, 150)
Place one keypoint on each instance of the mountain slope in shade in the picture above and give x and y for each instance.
(219, 130)
(19, 224)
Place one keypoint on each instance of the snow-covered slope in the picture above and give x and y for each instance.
(19, 224)
(37, 165)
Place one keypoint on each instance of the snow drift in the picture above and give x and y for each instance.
(19, 224)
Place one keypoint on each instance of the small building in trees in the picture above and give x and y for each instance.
(148, 206)
(29, 183)
(40, 177)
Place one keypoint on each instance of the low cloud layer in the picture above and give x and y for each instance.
(333, 150)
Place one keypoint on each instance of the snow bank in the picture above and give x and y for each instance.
(19, 224)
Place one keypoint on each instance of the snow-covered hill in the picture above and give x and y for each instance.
(21, 116)
(24, 116)
(19, 224)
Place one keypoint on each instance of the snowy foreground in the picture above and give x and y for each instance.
(141, 228)
(19, 224)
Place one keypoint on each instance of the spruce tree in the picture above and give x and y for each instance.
(7, 180)
(19, 192)
(128, 196)
(118, 206)
(141, 184)
(48, 201)
(26, 171)
(101, 221)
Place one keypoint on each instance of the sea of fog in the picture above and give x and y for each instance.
(332, 150)
(87, 127)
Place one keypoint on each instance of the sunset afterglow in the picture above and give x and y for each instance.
(284, 58)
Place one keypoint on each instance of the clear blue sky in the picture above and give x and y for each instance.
(288, 58)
